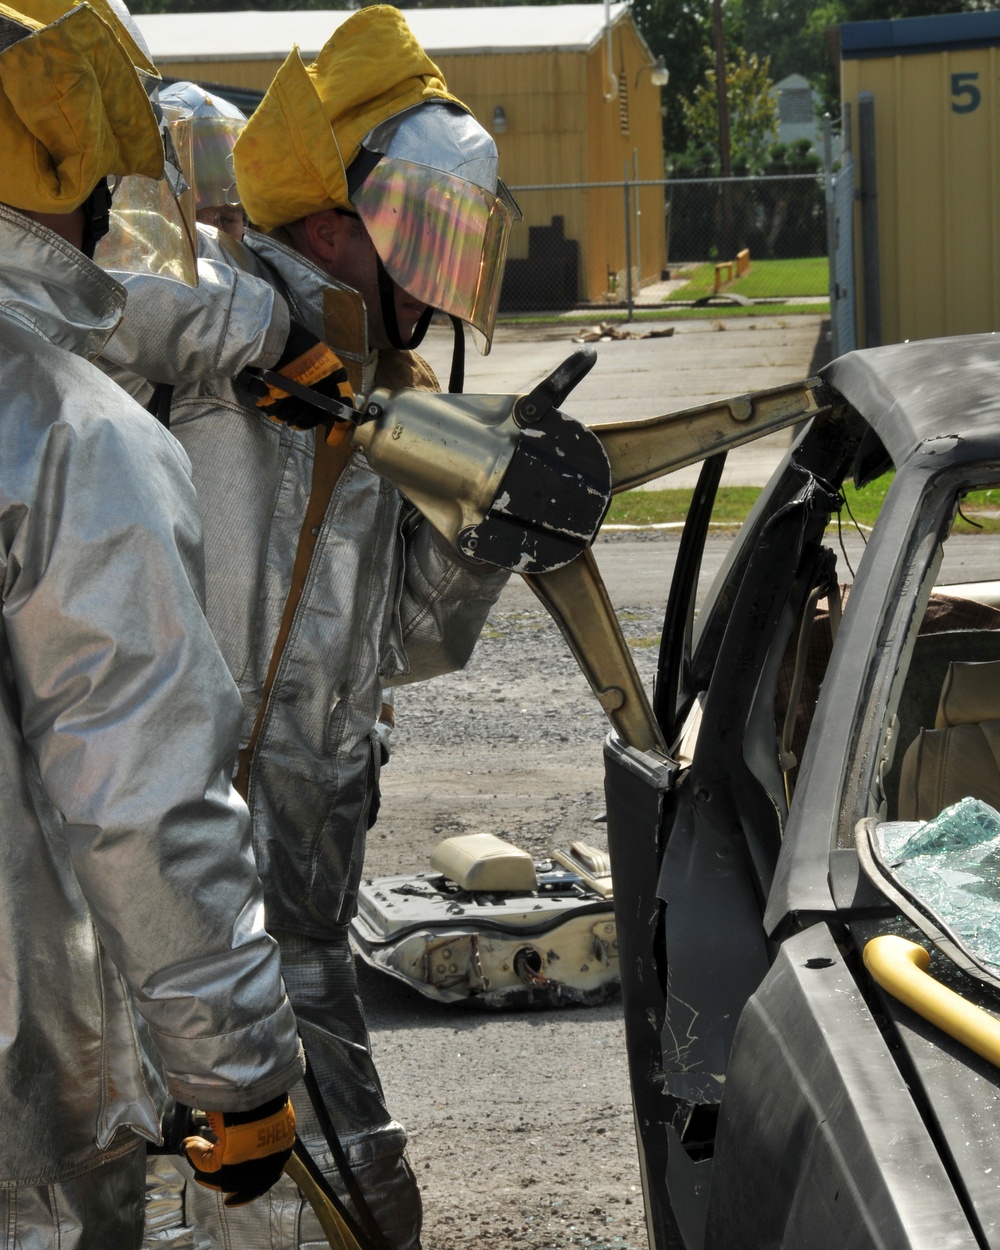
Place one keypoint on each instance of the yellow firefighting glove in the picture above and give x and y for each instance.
(249, 1153)
(307, 363)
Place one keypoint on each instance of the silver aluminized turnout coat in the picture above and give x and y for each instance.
(383, 601)
(126, 875)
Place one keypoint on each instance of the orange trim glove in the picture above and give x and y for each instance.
(249, 1152)
(308, 362)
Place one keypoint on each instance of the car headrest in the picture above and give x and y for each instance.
(970, 694)
(484, 862)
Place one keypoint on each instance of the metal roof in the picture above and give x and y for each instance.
(253, 35)
(909, 35)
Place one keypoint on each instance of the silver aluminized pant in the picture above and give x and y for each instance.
(167, 1221)
(321, 981)
(100, 1210)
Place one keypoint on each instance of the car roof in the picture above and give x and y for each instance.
(914, 392)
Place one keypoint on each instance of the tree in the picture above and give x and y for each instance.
(226, 6)
(791, 33)
(681, 32)
(753, 113)
(797, 34)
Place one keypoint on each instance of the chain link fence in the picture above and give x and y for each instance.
(608, 245)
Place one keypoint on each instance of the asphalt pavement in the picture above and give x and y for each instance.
(701, 362)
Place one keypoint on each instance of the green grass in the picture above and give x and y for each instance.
(809, 275)
(646, 640)
(651, 507)
(656, 507)
(617, 315)
(984, 507)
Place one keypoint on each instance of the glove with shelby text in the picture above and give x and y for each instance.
(249, 1153)
(306, 362)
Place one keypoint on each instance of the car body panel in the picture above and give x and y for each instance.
(822, 1144)
(962, 1091)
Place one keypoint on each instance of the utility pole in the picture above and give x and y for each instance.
(725, 162)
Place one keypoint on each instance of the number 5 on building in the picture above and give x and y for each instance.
(964, 85)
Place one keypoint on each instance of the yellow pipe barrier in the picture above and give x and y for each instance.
(720, 281)
(900, 967)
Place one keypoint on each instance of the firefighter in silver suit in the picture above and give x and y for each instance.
(211, 124)
(375, 199)
(133, 957)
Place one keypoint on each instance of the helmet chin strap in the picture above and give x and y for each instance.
(457, 379)
(96, 217)
(387, 301)
(390, 323)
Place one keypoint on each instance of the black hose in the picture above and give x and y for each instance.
(457, 379)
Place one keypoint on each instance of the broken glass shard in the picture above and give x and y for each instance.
(951, 865)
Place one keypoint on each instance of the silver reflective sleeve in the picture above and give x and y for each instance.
(444, 604)
(176, 333)
(132, 720)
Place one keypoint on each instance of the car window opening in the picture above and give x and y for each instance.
(786, 755)
(948, 713)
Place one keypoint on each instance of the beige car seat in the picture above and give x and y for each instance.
(960, 756)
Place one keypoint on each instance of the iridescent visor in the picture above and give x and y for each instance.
(442, 239)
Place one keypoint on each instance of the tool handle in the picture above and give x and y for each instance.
(900, 967)
(334, 1220)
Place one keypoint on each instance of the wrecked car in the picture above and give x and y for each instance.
(783, 1096)
(515, 481)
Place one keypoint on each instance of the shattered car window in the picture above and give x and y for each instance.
(952, 866)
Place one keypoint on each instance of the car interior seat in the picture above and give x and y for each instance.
(960, 756)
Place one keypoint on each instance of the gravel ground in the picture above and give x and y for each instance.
(520, 1123)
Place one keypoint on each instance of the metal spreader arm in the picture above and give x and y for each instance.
(515, 481)
(639, 451)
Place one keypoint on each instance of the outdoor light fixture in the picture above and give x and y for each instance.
(499, 120)
(659, 75)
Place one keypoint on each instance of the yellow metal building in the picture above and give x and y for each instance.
(564, 89)
(934, 83)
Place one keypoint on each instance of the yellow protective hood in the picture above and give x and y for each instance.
(72, 106)
(292, 158)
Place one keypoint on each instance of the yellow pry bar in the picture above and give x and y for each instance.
(900, 967)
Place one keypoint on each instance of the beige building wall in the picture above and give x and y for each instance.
(541, 94)
(625, 134)
(937, 142)
(255, 75)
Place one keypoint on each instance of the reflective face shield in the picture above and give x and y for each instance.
(441, 238)
(152, 228)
